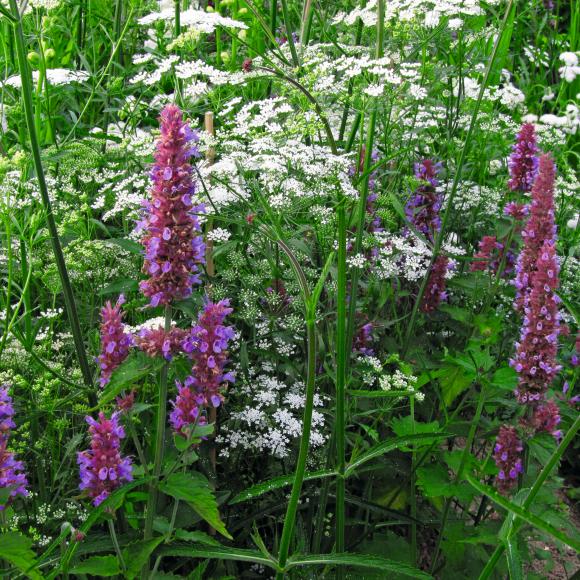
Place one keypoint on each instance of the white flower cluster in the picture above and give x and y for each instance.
(567, 123)
(408, 257)
(571, 68)
(428, 13)
(54, 76)
(205, 22)
(218, 235)
(271, 421)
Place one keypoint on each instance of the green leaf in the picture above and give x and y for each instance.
(16, 549)
(359, 561)
(137, 554)
(137, 366)
(128, 245)
(522, 513)
(277, 483)
(407, 426)
(514, 559)
(123, 285)
(453, 381)
(5, 12)
(505, 378)
(98, 566)
(194, 489)
(221, 553)
(391, 445)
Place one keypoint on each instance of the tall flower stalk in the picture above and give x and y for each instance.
(174, 250)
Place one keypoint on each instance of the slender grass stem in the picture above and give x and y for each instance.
(51, 224)
(115, 541)
(341, 370)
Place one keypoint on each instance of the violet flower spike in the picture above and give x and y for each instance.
(174, 248)
(102, 468)
(12, 474)
(535, 360)
(115, 342)
(508, 458)
(207, 346)
(540, 227)
(523, 161)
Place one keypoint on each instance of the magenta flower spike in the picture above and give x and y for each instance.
(12, 474)
(541, 227)
(523, 161)
(156, 342)
(174, 248)
(423, 207)
(102, 469)
(535, 358)
(115, 342)
(508, 458)
(207, 346)
(546, 418)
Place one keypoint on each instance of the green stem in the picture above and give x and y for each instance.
(538, 484)
(116, 544)
(341, 370)
(291, 511)
(51, 224)
(458, 175)
(286, 16)
(413, 495)
(159, 440)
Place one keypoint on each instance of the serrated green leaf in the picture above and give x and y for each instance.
(104, 566)
(194, 489)
(137, 554)
(505, 378)
(391, 445)
(17, 549)
(358, 561)
(134, 368)
(277, 483)
(514, 559)
(221, 553)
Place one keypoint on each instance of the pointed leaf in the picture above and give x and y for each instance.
(137, 366)
(221, 553)
(359, 561)
(391, 445)
(98, 566)
(277, 483)
(194, 489)
(137, 554)
(523, 513)
(16, 549)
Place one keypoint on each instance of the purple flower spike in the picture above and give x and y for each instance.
(12, 474)
(541, 227)
(174, 249)
(508, 458)
(523, 162)
(423, 207)
(207, 345)
(115, 342)
(547, 418)
(102, 469)
(536, 352)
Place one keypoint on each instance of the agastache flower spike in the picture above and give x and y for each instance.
(207, 345)
(540, 227)
(174, 249)
(546, 418)
(523, 162)
(115, 342)
(157, 342)
(535, 359)
(102, 469)
(12, 474)
(508, 458)
(423, 207)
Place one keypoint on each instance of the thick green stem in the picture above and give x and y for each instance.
(159, 440)
(51, 224)
(540, 480)
(291, 511)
